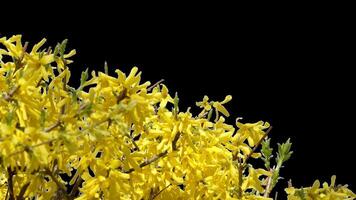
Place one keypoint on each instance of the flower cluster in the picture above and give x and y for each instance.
(332, 192)
(119, 138)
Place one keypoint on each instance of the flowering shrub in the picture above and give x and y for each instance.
(118, 138)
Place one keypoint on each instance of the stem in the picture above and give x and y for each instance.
(175, 140)
(30, 147)
(23, 191)
(60, 186)
(242, 165)
(269, 183)
(156, 195)
(156, 157)
(75, 188)
(154, 85)
(149, 161)
(55, 125)
(256, 146)
(11, 93)
(240, 169)
(10, 184)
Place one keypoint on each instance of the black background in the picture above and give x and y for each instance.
(290, 69)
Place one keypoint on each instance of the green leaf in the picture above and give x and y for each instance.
(106, 69)
(267, 153)
(84, 77)
(63, 47)
(9, 117)
(56, 49)
(210, 114)
(284, 152)
(175, 102)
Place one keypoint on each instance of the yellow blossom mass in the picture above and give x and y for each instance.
(115, 137)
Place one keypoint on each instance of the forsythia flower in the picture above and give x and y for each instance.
(115, 137)
(327, 192)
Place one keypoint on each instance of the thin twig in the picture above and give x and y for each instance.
(240, 169)
(156, 157)
(175, 140)
(158, 193)
(53, 126)
(242, 165)
(269, 183)
(23, 191)
(8, 96)
(75, 188)
(133, 142)
(61, 187)
(30, 147)
(149, 161)
(154, 85)
(10, 184)
(256, 146)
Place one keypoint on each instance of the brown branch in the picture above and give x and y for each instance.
(148, 161)
(240, 169)
(10, 183)
(175, 140)
(158, 193)
(8, 96)
(156, 157)
(23, 191)
(53, 126)
(154, 85)
(133, 142)
(30, 147)
(269, 183)
(60, 186)
(256, 146)
(242, 165)
(75, 188)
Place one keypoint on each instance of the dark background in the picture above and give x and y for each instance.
(292, 70)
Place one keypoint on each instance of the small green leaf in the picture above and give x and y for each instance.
(9, 117)
(284, 152)
(210, 114)
(267, 153)
(106, 69)
(301, 193)
(175, 102)
(84, 77)
(63, 47)
(56, 49)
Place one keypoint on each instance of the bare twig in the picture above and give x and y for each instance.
(30, 147)
(133, 142)
(242, 165)
(75, 188)
(158, 193)
(156, 157)
(8, 96)
(154, 85)
(10, 184)
(175, 140)
(256, 146)
(53, 126)
(148, 161)
(269, 183)
(23, 191)
(60, 186)
(240, 169)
